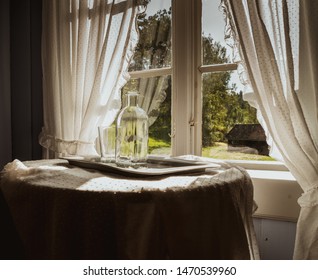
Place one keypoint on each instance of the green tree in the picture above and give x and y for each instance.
(223, 107)
(154, 45)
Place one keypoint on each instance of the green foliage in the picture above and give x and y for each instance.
(213, 52)
(154, 143)
(154, 46)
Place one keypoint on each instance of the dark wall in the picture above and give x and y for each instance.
(20, 80)
(5, 100)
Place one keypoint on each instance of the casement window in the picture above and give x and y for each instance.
(182, 58)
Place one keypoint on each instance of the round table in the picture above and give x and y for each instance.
(53, 210)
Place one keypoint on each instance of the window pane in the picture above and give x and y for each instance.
(154, 47)
(214, 48)
(155, 99)
(230, 129)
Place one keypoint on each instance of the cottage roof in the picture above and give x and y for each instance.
(246, 132)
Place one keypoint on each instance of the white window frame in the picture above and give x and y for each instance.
(186, 71)
(186, 134)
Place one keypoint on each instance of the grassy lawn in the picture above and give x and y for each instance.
(158, 147)
(219, 151)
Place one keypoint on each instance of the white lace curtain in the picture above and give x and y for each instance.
(278, 41)
(86, 49)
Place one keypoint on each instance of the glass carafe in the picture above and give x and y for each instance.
(132, 134)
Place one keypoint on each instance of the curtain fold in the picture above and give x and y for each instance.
(153, 93)
(277, 42)
(86, 49)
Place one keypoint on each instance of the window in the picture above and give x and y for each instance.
(189, 84)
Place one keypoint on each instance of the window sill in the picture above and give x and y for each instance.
(271, 175)
(276, 194)
(260, 165)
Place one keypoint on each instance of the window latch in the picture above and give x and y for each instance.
(192, 123)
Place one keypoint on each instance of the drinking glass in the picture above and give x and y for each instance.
(107, 141)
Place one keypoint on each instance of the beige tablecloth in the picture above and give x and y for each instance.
(52, 210)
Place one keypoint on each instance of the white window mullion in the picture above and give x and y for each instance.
(218, 67)
(151, 73)
(186, 25)
(196, 134)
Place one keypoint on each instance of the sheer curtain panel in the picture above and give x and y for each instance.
(86, 49)
(277, 40)
(153, 93)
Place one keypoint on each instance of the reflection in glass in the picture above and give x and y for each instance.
(154, 47)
